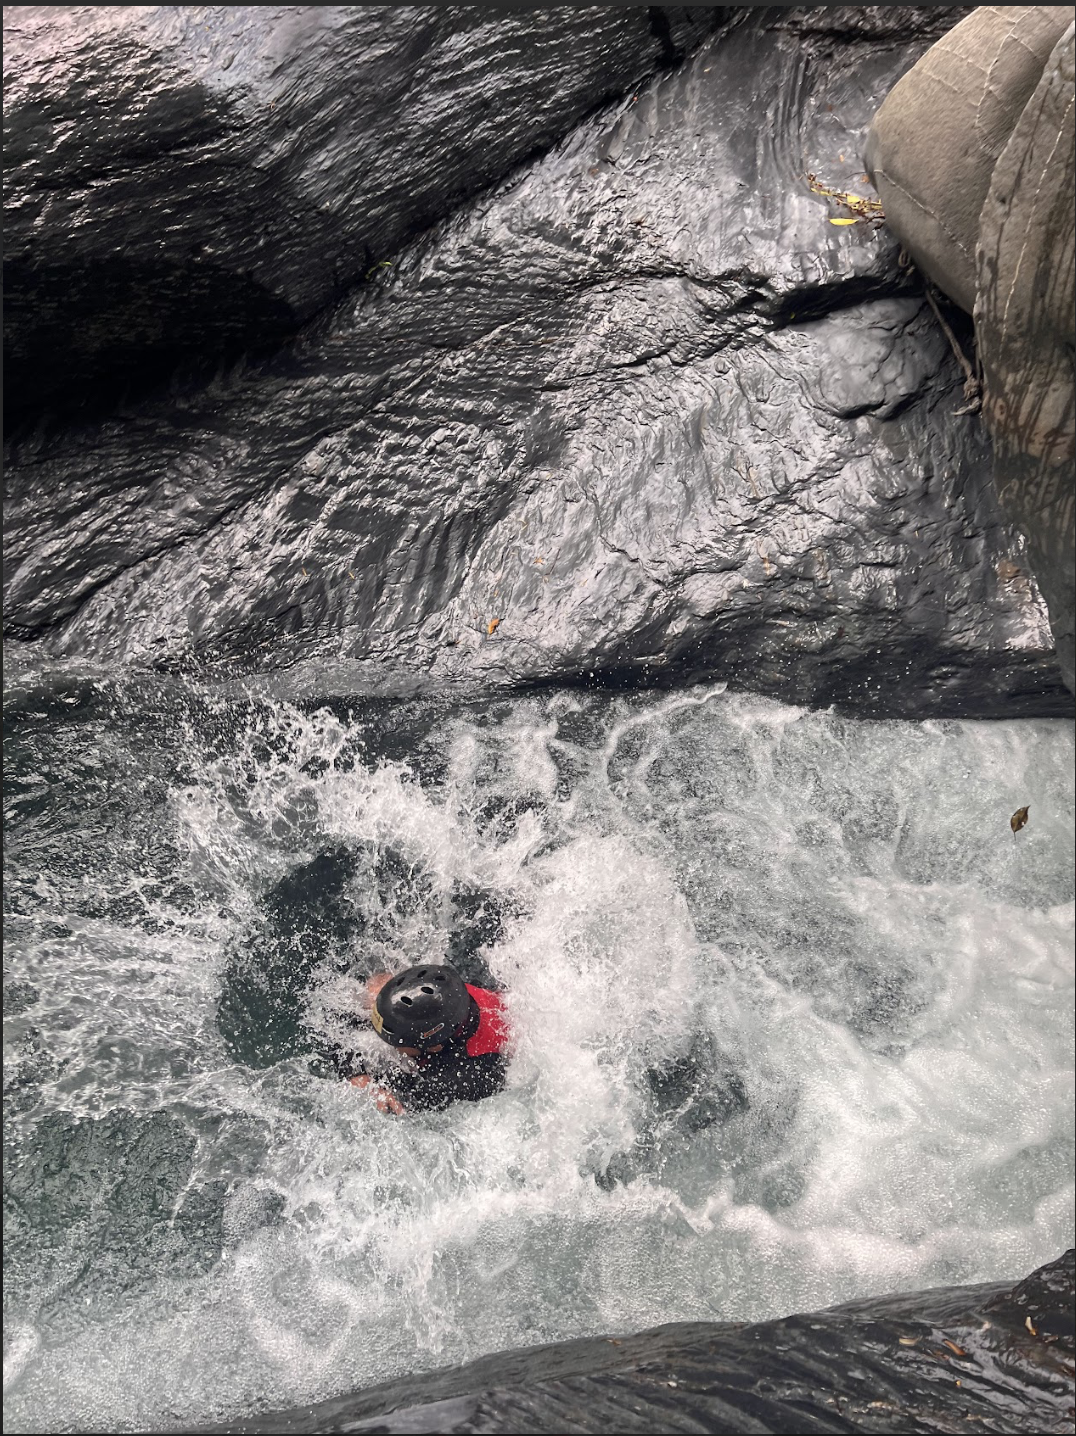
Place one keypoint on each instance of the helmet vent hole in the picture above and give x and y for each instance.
(439, 977)
(429, 990)
(406, 1001)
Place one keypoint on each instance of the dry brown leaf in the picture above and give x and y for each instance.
(1019, 820)
(1027, 1323)
(492, 626)
(959, 1350)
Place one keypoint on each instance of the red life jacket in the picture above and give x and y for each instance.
(493, 1031)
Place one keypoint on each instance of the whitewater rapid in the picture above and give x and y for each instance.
(828, 925)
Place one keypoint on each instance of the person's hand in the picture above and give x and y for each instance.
(384, 1101)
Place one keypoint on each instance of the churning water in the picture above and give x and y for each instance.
(793, 1011)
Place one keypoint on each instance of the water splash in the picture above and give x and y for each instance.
(793, 1015)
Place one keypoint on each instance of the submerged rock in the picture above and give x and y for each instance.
(99, 1207)
(640, 416)
(980, 1357)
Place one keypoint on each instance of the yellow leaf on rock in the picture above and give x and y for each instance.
(844, 221)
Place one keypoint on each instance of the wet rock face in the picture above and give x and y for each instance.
(973, 156)
(641, 415)
(946, 1360)
(1025, 318)
(182, 182)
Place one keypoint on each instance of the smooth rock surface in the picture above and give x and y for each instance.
(1025, 319)
(990, 1358)
(186, 180)
(973, 155)
(639, 416)
(936, 138)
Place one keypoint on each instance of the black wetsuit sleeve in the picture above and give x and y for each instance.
(461, 1079)
(347, 1064)
(327, 1059)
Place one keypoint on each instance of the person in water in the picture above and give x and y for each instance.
(455, 1037)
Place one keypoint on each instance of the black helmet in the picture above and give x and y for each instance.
(425, 1007)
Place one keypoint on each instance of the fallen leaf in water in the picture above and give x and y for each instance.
(1027, 1319)
(1019, 819)
(861, 207)
(908, 1340)
(959, 1350)
(844, 221)
(492, 626)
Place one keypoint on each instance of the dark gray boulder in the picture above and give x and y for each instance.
(641, 415)
(183, 181)
(1025, 320)
(991, 1358)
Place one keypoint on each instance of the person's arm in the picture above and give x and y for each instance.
(479, 1077)
(383, 1098)
(468, 1079)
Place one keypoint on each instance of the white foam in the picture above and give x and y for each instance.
(842, 908)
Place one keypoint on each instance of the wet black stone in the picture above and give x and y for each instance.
(183, 189)
(638, 417)
(949, 1360)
